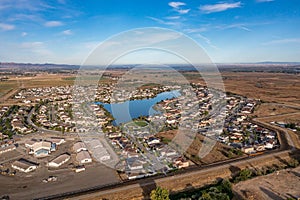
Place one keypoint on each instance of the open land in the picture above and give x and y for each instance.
(282, 184)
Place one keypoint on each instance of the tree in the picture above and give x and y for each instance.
(214, 193)
(226, 186)
(159, 194)
(243, 175)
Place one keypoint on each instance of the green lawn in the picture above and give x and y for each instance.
(141, 123)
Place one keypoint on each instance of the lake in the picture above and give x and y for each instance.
(128, 110)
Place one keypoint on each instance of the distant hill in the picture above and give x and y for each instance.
(45, 66)
(267, 66)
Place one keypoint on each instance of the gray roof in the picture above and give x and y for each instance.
(61, 158)
(82, 155)
(23, 164)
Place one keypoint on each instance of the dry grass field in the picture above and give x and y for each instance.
(219, 152)
(41, 80)
(283, 184)
(269, 109)
(269, 87)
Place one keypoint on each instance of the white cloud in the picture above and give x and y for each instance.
(164, 22)
(90, 45)
(53, 23)
(25, 17)
(37, 48)
(195, 30)
(207, 41)
(6, 27)
(261, 1)
(283, 41)
(23, 34)
(219, 7)
(25, 5)
(183, 11)
(31, 44)
(238, 25)
(173, 17)
(67, 32)
(176, 5)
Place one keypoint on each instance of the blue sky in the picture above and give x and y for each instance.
(66, 31)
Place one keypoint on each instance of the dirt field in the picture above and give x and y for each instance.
(289, 118)
(267, 109)
(31, 186)
(41, 80)
(270, 87)
(279, 185)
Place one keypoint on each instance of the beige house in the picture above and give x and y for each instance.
(60, 160)
(24, 165)
(83, 157)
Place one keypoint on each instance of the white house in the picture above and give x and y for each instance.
(60, 160)
(134, 164)
(24, 165)
(153, 141)
(57, 141)
(79, 146)
(41, 149)
(7, 148)
(83, 157)
(79, 169)
(269, 146)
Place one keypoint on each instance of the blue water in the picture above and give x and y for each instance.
(128, 110)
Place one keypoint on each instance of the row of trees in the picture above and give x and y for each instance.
(221, 191)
